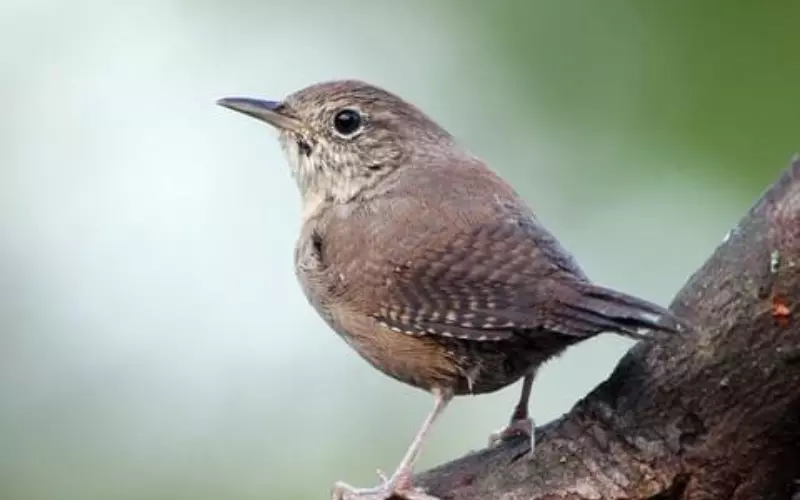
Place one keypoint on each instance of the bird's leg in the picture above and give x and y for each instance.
(399, 485)
(520, 423)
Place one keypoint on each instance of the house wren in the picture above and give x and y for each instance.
(425, 261)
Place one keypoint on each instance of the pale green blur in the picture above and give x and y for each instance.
(154, 342)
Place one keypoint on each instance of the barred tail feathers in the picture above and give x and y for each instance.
(595, 309)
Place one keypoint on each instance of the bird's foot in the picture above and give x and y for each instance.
(522, 427)
(398, 487)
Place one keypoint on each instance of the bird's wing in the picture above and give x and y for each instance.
(507, 279)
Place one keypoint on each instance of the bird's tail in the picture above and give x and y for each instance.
(596, 309)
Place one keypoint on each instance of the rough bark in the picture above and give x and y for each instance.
(713, 414)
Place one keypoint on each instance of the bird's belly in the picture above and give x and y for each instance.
(461, 366)
(433, 362)
(419, 362)
(429, 362)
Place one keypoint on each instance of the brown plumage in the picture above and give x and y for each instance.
(425, 261)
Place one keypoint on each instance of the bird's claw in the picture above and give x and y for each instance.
(517, 428)
(389, 489)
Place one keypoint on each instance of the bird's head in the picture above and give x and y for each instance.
(343, 138)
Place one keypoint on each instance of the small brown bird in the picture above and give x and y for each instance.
(425, 261)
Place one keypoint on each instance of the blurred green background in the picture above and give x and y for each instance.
(154, 341)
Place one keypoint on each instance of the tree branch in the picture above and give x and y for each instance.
(713, 414)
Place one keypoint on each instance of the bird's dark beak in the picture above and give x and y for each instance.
(266, 111)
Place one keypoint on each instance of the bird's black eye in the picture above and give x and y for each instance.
(347, 121)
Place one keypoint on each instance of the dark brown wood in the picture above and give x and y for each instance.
(711, 414)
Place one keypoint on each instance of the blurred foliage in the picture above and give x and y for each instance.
(683, 79)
